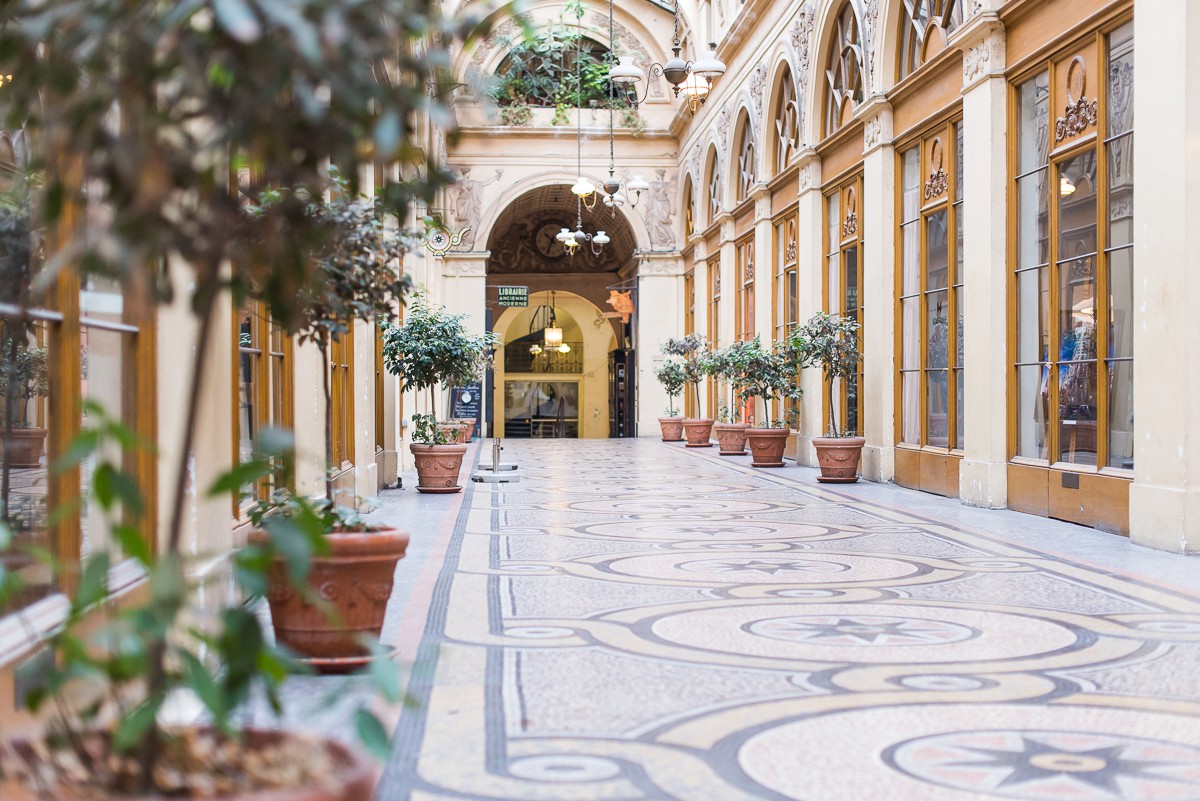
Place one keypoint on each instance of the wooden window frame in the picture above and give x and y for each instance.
(846, 198)
(745, 163)
(787, 122)
(341, 386)
(913, 50)
(940, 190)
(784, 317)
(269, 393)
(845, 56)
(1096, 139)
(714, 324)
(744, 316)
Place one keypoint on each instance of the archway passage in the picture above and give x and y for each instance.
(583, 391)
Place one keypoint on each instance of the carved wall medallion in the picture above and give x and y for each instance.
(789, 253)
(1080, 114)
(872, 131)
(850, 223)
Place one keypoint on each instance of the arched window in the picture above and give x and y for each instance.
(924, 26)
(689, 208)
(714, 188)
(745, 151)
(844, 70)
(787, 122)
(542, 68)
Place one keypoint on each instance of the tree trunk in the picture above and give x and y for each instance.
(832, 411)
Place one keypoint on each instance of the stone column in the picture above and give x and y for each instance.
(1164, 501)
(879, 291)
(810, 267)
(983, 475)
(764, 264)
(464, 291)
(659, 300)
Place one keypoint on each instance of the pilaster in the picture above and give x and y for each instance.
(983, 475)
(878, 290)
(810, 266)
(660, 316)
(1164, 501)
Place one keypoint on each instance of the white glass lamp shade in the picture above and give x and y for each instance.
(553, 337)
(535, 349)
(638, 184)
(565, 236)
(564, 348)
(601, 238)
(695, 86)
(583, 188)
(624, 71)
(709, 66)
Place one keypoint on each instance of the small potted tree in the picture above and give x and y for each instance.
(768, 374)
(357, 277)
(831, 342)
(730, 432)
(23, 377)
(694, 352)
(429, 348)
(672, 377)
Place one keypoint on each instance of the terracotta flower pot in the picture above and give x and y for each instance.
(731, 438)
(470, 426)
(456, 432)
(767, 445)
(438, 467)
(352, 778)
(672, 428)
(26, 447)
(355, 577)
(838, 458)
(698, 431)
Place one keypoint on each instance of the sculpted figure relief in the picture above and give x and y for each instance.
(660, 210)
(466, 203)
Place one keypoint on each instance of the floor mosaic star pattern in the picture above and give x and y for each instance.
(635, 621)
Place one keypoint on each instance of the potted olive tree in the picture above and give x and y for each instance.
(432, 347)
(768, 374)
(672, 377)
(198, 85)
(358, 277)
(730, 432)
(831, 342)
(694, 352)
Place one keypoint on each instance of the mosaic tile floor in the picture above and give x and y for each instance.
(634, 620)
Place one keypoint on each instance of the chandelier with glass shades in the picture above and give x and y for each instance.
(692, 79)
(585, 194)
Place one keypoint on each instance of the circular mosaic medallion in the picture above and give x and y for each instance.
(763, 566)
(751, 567)
(700, 531)
(970, 752)
(860, 630)
(867, 633)
(1053, 765)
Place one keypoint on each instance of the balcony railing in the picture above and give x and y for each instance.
(520, 360)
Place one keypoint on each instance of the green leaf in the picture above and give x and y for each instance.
(243, 475)
(132, 543)
(383, 672)
(198, 678)
(134, 725)
(93, 582)
(372, 734)
(111, 485)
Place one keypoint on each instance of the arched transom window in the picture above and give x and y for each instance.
(924, 26)
(787, 122)
(745, 175)
(714, 188)
(844, 70)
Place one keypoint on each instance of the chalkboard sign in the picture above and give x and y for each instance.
(466, 403)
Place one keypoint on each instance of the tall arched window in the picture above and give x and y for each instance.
(787, 122)
(924, 26)
(714, 187)
(689, 208)
(746, 154)
(844, 70)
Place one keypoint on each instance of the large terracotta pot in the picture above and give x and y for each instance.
(355, 578)
(354, 779)
(672, 428)
(698, 431)
(455, 432)
(470, 426)
(731, 438)
(767, 445)
(838, 458)
(438, 467)
(26, 446)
